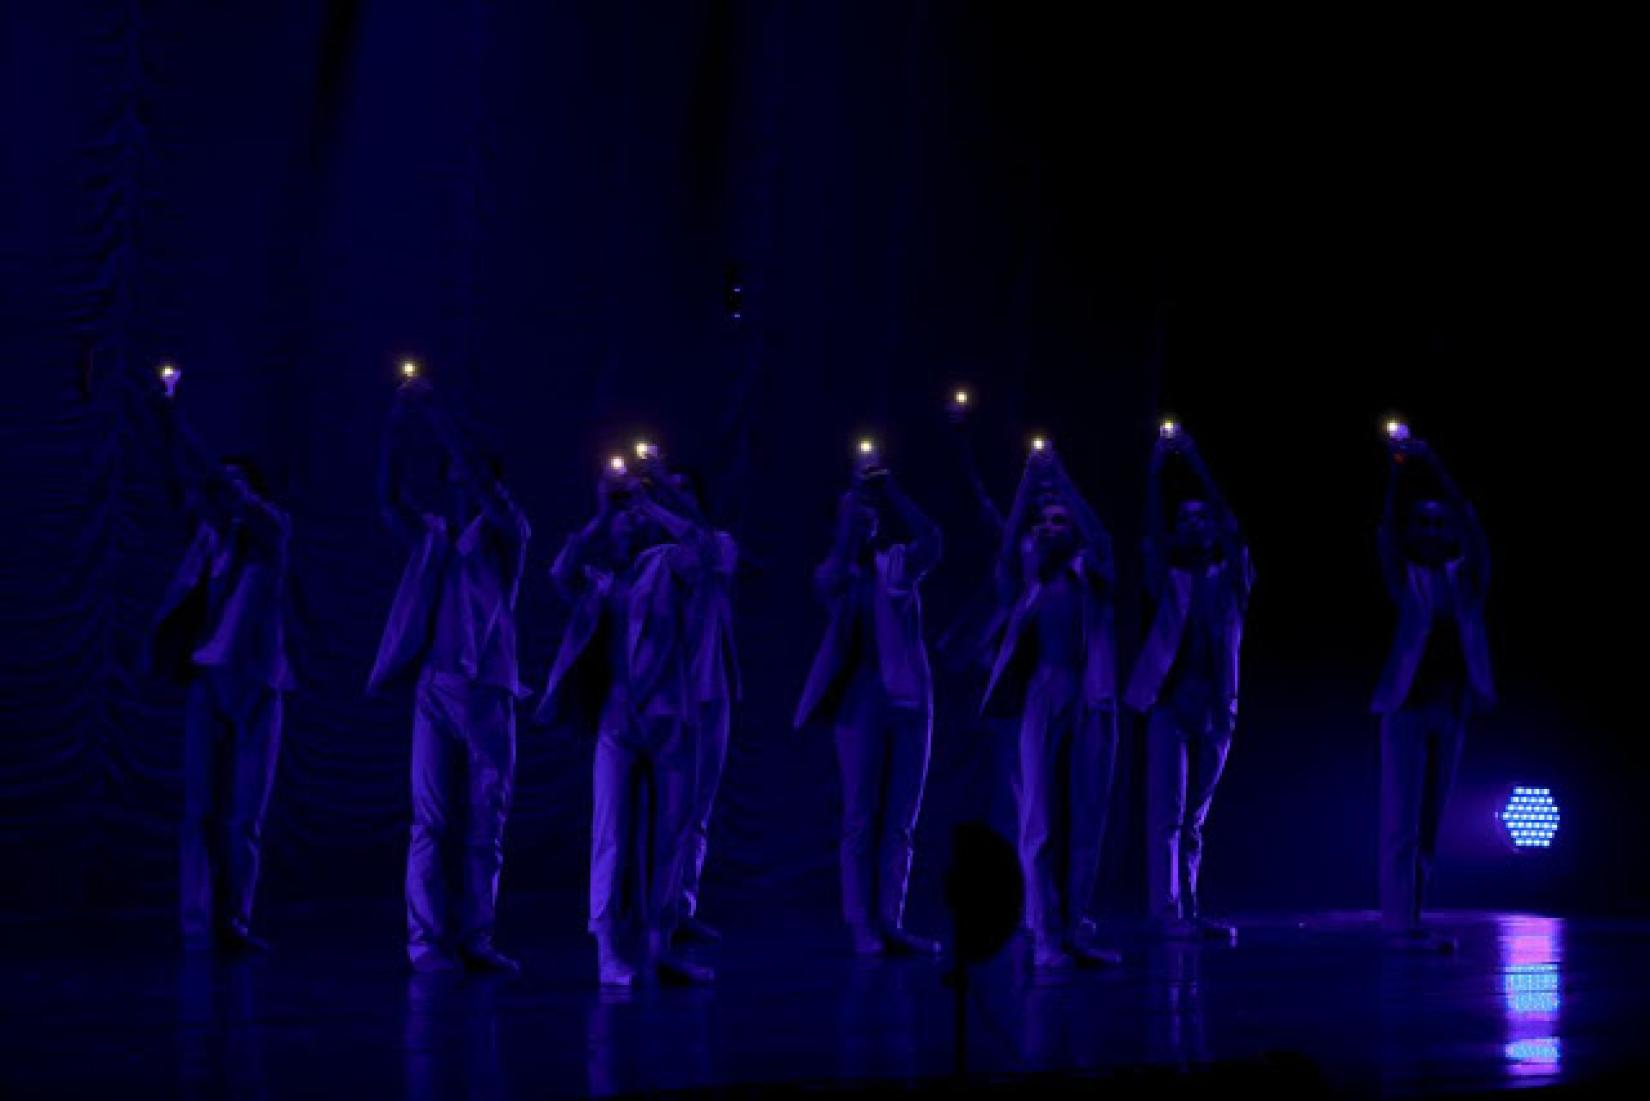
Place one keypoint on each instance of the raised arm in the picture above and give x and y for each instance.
(1206, 481)
(1097, 549)
(655, 480)
(925, 545)
(568, 572)
(221, 498)
(675, 511)
(500, 509)
(1008, 549)
(836, 572)
(1475, 546)
(268, 525)
(695, 543)
(1226, 525)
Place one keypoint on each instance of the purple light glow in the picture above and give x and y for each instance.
(1532, 958)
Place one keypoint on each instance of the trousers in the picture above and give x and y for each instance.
(232, 739)
(1420, 748)
(463, 775)
(1188, 738)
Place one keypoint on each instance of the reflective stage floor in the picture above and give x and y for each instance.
(1302, 1006)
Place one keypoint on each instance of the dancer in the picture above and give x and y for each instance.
(623, 673)
(1055, 671)
(220, 631)
(1186, 680)
(871, 680)
(452, 631)
(1437, 676)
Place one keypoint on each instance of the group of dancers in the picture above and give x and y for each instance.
(647, 668)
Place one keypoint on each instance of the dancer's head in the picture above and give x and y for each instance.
(1194, 533)
(1431, 535)
(1053, 532)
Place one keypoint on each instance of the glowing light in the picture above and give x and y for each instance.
(867, 447)
(616, 464)
(1531, 988)
(1038, 443)
(645, 450)
(1531, 817)
(1532, 991)
(960, 397)
(168, 372)
(1538, 1055)
(1168, 429)
(409, 369)
(1397, 431)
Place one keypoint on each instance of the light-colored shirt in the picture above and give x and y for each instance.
(454, 612)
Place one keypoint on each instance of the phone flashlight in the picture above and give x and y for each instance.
(409, 369)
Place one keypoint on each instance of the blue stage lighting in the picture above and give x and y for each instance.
(1530, 818)
(1531, 989)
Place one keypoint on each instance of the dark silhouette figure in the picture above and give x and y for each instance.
(871, 680)
(1435, 562)
(1056, 672)
(1186, 680)
(220, 629)
(624, 673)
(452, 631)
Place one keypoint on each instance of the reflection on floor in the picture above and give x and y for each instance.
(1301, 1005)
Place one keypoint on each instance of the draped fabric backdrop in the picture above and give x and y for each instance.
(545, 204)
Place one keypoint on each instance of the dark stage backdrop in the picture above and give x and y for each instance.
(1086, 221)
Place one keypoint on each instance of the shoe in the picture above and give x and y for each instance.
(867, 942)
(902, 942)
(1086, 953)
(674, 970)
(486, 958)
(615, 974)
(1051, 956)
(612, 969)
(236, 939)
(690, 930)
(433, 962)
